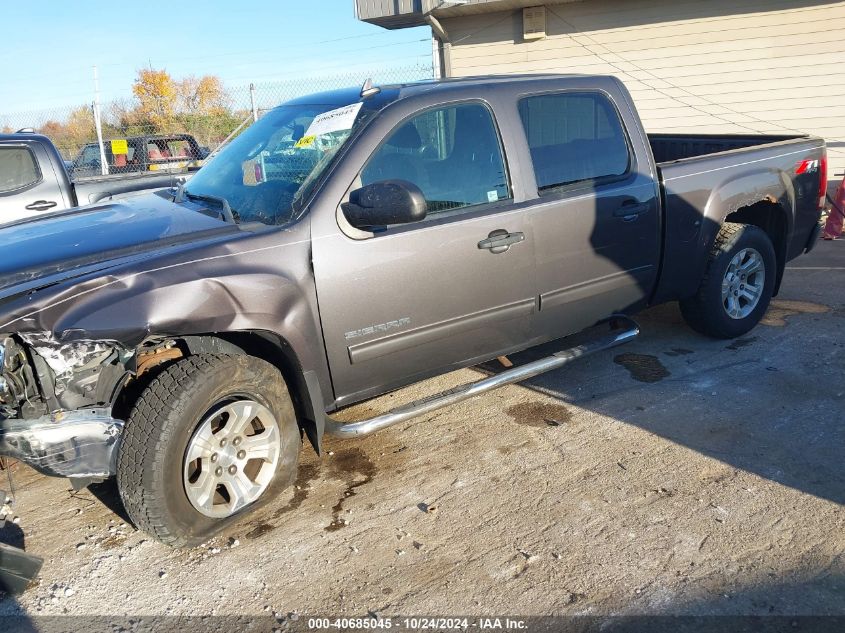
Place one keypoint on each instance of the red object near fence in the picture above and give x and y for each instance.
(836, 219)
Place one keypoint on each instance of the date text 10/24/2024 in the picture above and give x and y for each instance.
(417, 624)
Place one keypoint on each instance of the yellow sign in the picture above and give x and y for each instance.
(119, 146)
(306, 141)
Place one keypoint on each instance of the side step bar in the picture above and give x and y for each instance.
(617, 336)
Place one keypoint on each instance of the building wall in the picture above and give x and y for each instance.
(743, 66)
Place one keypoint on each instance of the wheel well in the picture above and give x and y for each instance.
(771, 218)
(264, 345)
(278, 352)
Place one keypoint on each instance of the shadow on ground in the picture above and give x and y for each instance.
(771, 403)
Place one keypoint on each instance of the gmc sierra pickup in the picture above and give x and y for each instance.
(352, 242)
(34, 180)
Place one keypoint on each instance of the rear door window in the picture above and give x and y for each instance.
(89, 157)
(453, 154)
(18, 168)
(180, 148)
(574, 137)
(157, 150)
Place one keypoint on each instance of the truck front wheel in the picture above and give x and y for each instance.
(211, 437)
(737, 284)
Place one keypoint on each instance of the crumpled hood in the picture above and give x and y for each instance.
(55, 245)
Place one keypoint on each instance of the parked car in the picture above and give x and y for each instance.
(352, 242)
(34, 181)
(160, 152)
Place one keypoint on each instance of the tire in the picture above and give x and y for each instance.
(177, 412)
(709, 311)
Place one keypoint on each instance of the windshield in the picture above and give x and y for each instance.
(273, 163)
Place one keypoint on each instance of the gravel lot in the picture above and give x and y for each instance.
(674, 475)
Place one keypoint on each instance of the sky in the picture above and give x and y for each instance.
(49, 48)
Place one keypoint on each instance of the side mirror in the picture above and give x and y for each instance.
(385, 202)
(204, 152)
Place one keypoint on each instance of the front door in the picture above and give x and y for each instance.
(412, 300)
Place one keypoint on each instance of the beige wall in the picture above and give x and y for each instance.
(753, 66)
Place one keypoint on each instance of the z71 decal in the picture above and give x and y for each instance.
(807, 166)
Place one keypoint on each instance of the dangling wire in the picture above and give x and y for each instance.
(8, 468)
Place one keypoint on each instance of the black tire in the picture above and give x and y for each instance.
(705, 312)
(162, 422)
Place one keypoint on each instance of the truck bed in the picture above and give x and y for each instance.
(704, 177)
(672, 147)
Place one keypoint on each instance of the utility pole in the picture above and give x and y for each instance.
(252, 101)
(104, 166)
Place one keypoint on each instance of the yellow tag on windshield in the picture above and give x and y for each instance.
(306, 141)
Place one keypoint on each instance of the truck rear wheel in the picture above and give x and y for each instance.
(211, 437)
(738, 283)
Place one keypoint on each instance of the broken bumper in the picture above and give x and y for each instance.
(75, 444)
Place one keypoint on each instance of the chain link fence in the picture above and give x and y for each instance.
(183, 131)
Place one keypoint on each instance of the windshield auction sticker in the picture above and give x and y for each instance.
(333, 120)
(306, 141)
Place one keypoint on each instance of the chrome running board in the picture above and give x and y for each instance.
(529, 370)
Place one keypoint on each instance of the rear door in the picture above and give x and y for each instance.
(596, 218)
(416, 299)
(25, 188)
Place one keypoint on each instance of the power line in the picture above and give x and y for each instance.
(128, 90)
(249, 54)
(279, 77)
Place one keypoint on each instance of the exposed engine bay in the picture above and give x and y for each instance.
(56, 400)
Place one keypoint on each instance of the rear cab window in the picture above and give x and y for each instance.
(574, 137)
(18, 169)
(452, 153)
(180, 148)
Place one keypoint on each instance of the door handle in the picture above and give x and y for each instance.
(630, 210)
(41, 205)
(500, 240)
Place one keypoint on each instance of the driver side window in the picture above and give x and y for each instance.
(452, 154)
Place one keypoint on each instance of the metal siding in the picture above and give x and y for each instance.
(393, 14)
(743, 66)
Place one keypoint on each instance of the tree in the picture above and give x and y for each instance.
(196, 105)
(75, 132)
(123, 118)
(203, 96)
(157, 97)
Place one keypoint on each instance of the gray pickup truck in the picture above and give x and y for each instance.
(34, 180)
(352, 242)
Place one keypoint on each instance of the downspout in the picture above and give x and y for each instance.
(443, 44)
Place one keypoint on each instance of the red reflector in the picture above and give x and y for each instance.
(822, 179)
(259, 173)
